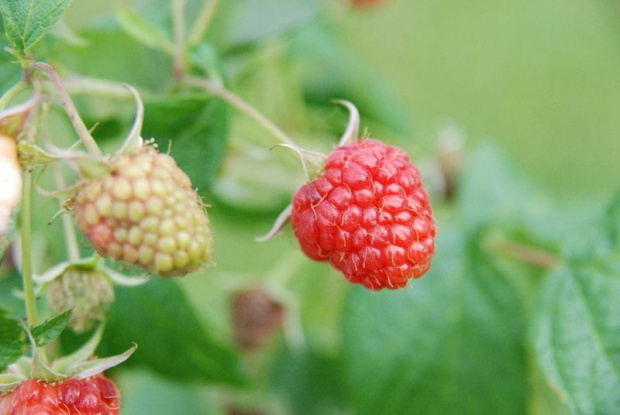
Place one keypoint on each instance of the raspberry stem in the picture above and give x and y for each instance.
(67, 224)
(241, 105)
(81, 129)
(84, 85)
(178, 16)
(11, 93)
(26, 248)
(527, 254)
(203, 21)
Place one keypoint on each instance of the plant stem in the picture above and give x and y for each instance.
(26, 242)
(241, 105)
(84, 85)
(203, 21)
(528, 254)
(11, 93)
(178, 16)
(73, 250)
(26, 246)
(81, 129)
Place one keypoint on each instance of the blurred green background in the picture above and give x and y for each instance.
(540, 80)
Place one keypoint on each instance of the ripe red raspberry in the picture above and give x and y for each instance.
(95, 395)
(145, 212)
(367, 214)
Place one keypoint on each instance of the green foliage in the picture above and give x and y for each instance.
(172, 341)
(196, 128)
(310, 382)
(154, 396)
(434, 347)
(133, 63)
(12, 339)
(9, 72)
(482, 333)
(576, 334)
(26, 21)
(49, 331)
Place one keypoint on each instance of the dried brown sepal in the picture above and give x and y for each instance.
(256, 318)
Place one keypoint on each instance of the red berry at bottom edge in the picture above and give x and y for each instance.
(96, 395)
(368, 214)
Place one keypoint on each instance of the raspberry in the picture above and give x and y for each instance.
(95, 395)
(368, 214)
(88, 292)
(145, 212)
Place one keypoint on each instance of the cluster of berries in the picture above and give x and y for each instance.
(364, 210)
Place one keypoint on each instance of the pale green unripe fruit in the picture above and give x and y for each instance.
(88, 292)
(145, 212)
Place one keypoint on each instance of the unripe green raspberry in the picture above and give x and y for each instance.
(145, 212)
(88, 292)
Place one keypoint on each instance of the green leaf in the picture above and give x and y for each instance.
(577, 338)
(197, 128)
(143, 31)
(133, 63)
(153, 395)
(12, 339)
(600, 242)
(10, 73)
(310, 382)
(49, 331)
(26, 21)
(171, 339)
(577, 322)
(450, 344)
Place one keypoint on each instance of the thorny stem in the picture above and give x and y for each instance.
(81, 129)
(73, 250)
(203, 21)
(528, 254)
(178, 16)
(241, 105)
